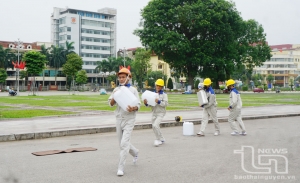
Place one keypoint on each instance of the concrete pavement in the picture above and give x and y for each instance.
(49, 93)
(183, 159)
(37, 128)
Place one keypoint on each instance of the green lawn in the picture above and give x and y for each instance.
(60, 105)
(31, 113)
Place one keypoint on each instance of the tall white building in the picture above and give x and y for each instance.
(93, 34)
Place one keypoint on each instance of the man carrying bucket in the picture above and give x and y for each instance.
(158, 111)
(210, 109)
(125, 121)
(235, 109)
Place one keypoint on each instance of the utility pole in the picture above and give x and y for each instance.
(124, 56)
(18, 43)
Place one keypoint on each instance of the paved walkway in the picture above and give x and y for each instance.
(81, 123)
(48, 93)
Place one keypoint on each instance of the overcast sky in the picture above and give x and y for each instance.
(29, 20)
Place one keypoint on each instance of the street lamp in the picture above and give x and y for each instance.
(124, 55)
(19, 44)
(107, 74)
(102, 74)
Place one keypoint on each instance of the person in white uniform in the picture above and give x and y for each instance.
(235, 108)
(210, 109)
(158, 111)
(125, 121)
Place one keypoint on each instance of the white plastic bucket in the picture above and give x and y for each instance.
(124, 97)
(202, 98)
(188, 128)
(150, 96)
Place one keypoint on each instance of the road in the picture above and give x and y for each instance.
(182, 159)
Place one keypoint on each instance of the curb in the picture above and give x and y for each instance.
(105, 129)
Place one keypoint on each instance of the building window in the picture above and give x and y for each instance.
(89, 70)
(69, 29)
(69, 37)
(62, 29)
(61, 38)
(88, 47)
(97, 47)
(95, 23)
(80, 13)
(96, 16)
(89, 15)
(62, 20)
(97, 40)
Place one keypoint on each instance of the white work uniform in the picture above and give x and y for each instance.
(124, 126)
(235, 111)
(210, 110)
(158, 113)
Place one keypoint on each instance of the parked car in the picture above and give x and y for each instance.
(258, 90)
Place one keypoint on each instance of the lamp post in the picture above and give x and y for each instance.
(124, 55)
(102, 74)
(18, 43)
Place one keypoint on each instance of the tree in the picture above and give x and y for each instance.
(207, 38)
(56, 58)
(241, 72)
(170, 84)
(197, 83)
(257, 79)
(69, 48)
(141, 64)
(152, 76)
(270, 78)
(72, 66)
(112, 64)
(81, 77)
(6, 57)
(291, 83)
(35, 62)
(3, 76)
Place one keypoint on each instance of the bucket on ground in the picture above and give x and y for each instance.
(124, 97)
(188, 128)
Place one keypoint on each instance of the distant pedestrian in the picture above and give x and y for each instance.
(235, 108)
(158, 111)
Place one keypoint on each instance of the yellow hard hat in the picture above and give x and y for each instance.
(207, 82)
(230, 82)
(160, 82)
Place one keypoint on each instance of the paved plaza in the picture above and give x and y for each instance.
(185, 159)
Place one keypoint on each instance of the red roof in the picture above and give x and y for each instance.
(282, 47)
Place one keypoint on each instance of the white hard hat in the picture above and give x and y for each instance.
(200, 85)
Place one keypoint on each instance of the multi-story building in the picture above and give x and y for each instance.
(93, 34)
(283, 65)
(46, 78)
